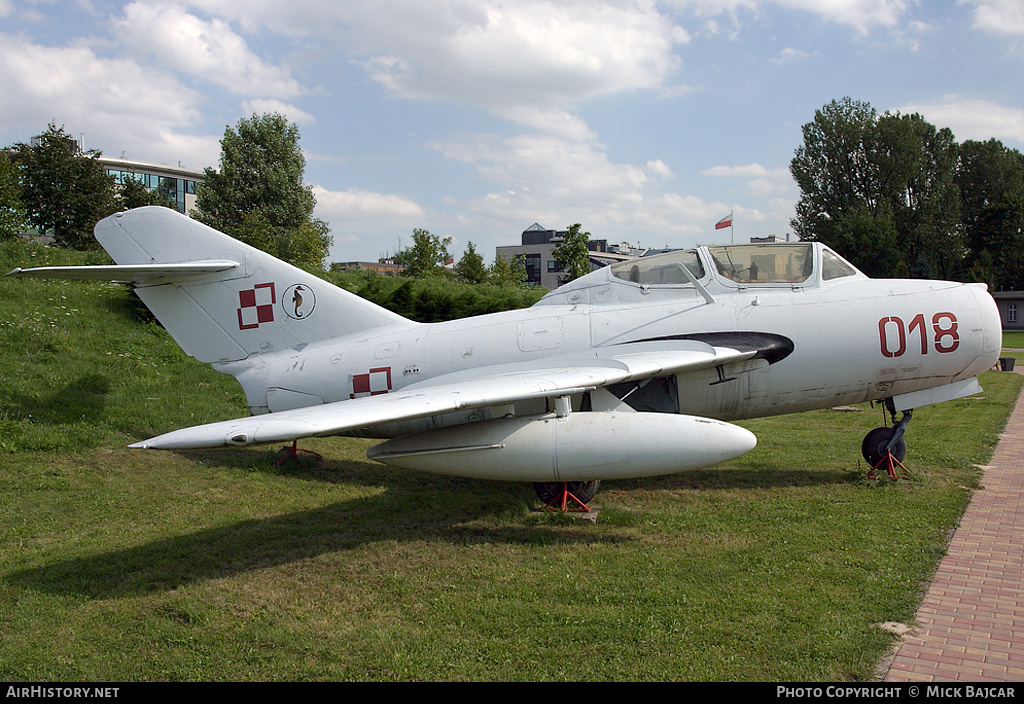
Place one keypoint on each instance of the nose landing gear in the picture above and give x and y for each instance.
(884, 448)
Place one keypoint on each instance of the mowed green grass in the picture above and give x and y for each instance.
(121, 565)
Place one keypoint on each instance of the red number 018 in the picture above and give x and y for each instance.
(894, 334)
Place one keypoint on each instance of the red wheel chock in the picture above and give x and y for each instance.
(565, 501)
(293, 453)
(892, 466)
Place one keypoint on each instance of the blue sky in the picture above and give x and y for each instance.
(646, 121)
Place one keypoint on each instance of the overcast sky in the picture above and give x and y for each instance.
(645, 121)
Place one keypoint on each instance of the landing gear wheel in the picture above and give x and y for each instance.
(880, 456)
(563, 495)
(875, 442)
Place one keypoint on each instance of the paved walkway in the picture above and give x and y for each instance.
(970, 626)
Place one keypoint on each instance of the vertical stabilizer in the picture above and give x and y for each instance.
(262, 305)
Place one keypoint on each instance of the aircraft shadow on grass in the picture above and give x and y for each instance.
(247, 546)
(82, 399)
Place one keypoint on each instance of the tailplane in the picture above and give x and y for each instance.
(220, 299)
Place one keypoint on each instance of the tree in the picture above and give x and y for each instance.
(65, 191)
(133, 193)
(471, 267)
(919, 163)
(890, 177)
(990, 178)
(507, 273)
(832, 169)
(258, 195)
(427, 255)
(13, 220)
(573, 253)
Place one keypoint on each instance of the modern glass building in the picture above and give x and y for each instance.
(177, 183)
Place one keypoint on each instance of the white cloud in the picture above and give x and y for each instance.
(261, 106)
(209, 50)
(521, 55)
(367, 222)
(997, 16)
(116, 103)
(860, 14)
(760, 180)
(973, 119)
(790, 54)
(559, 182)
(501, 55)
(551, 120)
(359, 203)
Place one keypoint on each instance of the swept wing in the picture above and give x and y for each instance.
(475, 388)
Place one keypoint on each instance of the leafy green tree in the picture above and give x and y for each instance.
(918, 163)
(507, 273)
(133, 193)
(990, 178)
(427, 255)
(573, 253)
(65, 192)
(471, 267)
(833, 170)
(13, 220)
(869, 243)
(258, 195)
(889, 178)
(433, 298)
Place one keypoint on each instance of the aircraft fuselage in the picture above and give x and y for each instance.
(843, 341)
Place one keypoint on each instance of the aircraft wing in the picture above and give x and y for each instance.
(475, 388)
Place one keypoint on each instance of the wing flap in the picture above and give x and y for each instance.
(485, 386)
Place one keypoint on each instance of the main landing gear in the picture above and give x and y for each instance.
(566, 496)
(295, 454)
(884, 448)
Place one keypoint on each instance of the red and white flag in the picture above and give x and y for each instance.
(724, 222)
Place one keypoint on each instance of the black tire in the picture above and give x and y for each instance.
(552, 491)
(875, 442)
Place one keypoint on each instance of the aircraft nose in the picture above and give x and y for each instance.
(991, 322)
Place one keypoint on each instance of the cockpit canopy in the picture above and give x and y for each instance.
(710, 269)
(750, 264)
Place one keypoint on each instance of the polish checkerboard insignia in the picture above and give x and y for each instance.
(256, 306)
(374, 383)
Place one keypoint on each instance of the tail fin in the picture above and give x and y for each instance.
(261, 305)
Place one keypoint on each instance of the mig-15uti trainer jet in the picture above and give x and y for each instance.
(633, 370)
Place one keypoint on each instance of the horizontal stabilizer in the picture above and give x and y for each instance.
(220, 299)
(138, 274)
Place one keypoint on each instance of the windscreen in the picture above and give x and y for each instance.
(764, 263)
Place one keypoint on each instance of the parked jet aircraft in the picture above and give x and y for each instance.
(633, 370)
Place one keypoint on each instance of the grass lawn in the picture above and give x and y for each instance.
(119, 565)
(1013, 339)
